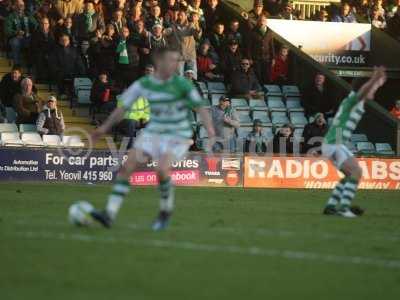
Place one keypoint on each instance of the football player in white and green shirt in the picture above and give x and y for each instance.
(166, 138)
(334, 147)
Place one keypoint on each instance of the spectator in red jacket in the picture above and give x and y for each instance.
(396, 110)
(280, 67)
(205, 66)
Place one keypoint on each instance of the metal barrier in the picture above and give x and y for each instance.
(308, 8)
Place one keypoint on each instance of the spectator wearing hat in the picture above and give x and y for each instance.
(280, 67)
(230, 60)
(225, 121)
(396, 110)
(51, 120)
(244, 82)
(283, 142)
(27, 103)
(206, 68)
(155, 39)
(313, 135)
(256, 142)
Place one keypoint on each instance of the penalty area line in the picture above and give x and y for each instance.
(227, 249)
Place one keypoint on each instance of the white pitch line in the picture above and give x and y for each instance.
(230, 249)
(239, 231)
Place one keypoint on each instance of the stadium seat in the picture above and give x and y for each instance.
(8, 127)
(262, 116)
(243, 131)
(290, 91)
(359, 137)
(244, 118)
(365, 148)
(10, 139)
(32, 139)
(82, 83)
(384, 149)
(279, 118)
(239, 102)
(298, 118)
(267, 132)
(257, 103)
(216, 87)
(72, 141)
(11, 115)
(83, 96)
(294, 104)
(27, 128)
(51, 140)
(276, 103)
(272, 90)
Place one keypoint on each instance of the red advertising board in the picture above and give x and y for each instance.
(316, 173)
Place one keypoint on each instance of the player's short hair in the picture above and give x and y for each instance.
(160, 52)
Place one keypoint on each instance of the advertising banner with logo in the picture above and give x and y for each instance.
(330, 43)
(102, 166)
(315, 173)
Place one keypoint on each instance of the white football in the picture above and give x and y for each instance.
(79, 213)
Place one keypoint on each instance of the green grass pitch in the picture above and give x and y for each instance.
(222, 244)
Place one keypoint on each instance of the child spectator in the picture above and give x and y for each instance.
(280, 67)
(205, 66)
(51, 120)
(256, 142)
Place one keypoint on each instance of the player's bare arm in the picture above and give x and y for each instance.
(378, 79)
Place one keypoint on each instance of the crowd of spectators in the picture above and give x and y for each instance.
(111, 42)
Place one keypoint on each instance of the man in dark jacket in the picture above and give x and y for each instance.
(43, 43)
(231, 59)
(65, 62)
(262, 49)
(317, 98)
(10, 85)
(244, 82)
(313, 134)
